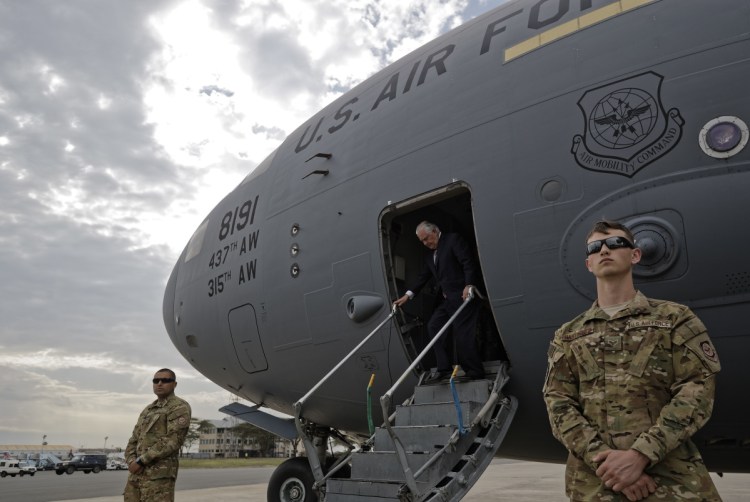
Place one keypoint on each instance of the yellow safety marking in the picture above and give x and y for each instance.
(565, 29)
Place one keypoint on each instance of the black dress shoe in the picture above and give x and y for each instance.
(436, 376)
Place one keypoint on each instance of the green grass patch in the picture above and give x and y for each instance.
(221, 463)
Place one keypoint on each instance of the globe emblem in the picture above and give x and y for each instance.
(623, 118)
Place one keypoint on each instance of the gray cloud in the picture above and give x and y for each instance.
(77, 279)
(210, 89)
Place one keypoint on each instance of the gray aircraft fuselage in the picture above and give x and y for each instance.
(518, 129)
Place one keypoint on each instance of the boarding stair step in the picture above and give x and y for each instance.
(473, 390)
(364, 490)
(385, 466)
(419, 438)
(436, 413)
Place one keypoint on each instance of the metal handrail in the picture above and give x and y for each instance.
(385, 399)
(298, 404)
(312, 457)
(418, 359)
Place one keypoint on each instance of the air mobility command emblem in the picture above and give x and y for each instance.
(626, 127)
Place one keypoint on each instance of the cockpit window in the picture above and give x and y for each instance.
(196, 242)
(260, 168)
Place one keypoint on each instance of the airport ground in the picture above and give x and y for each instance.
(504, 480)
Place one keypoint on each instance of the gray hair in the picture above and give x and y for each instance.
(427, 226)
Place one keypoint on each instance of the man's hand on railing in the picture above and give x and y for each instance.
(401, 301)
(467, 292)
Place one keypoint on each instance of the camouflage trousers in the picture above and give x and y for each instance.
(141, 489)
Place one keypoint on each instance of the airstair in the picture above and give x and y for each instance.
(434, 447)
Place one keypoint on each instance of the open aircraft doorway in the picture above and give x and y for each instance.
(450, 208)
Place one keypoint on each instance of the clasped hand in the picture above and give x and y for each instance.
(622, 471)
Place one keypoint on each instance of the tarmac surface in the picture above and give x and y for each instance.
(504, 480)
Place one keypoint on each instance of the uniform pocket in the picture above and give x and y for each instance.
(589, 369)
(641, 359)
(158, 424)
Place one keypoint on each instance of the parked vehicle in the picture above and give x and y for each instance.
(26, 468)
(9, 468)
(116, 465)
(46, 464)
(87, 463)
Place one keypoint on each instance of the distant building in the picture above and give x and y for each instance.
(222, 441)
(27, 451)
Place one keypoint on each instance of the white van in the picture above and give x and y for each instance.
(9, 467)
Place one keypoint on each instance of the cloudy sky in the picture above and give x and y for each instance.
(122, 123)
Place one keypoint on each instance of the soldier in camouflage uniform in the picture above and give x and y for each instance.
(153, 448)
(628, 383)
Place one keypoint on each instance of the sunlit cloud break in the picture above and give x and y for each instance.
(53, 359)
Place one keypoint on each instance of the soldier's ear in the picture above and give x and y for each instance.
(636, 256)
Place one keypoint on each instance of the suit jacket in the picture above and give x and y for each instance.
(452, 266)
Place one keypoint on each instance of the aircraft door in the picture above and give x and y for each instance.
(243, 327)
(404, 257)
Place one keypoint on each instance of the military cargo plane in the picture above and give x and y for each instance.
(518, 130)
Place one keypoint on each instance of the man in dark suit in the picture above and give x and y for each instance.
(452, 265)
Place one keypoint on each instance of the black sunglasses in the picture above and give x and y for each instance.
(163, 380)
(614, 242)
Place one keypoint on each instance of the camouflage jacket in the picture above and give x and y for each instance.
(158, 436)
(643, 379)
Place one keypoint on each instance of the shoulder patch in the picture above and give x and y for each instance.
(709, 351)
(182, 420)
(704, 350)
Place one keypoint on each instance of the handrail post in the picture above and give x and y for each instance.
(411, 482)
